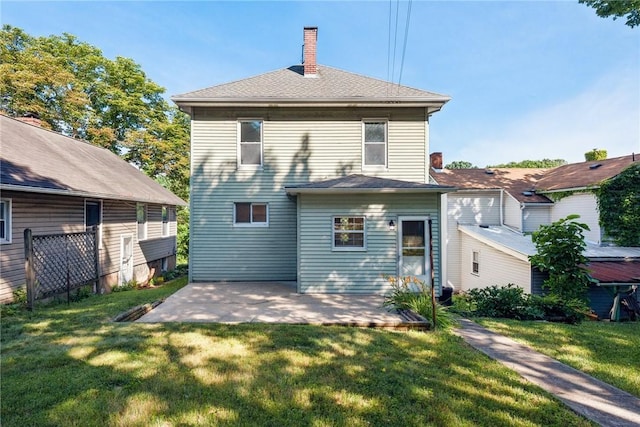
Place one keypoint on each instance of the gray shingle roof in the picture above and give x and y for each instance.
(364, 184)
(41, 161)
(328, 85)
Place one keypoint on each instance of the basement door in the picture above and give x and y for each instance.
(126, 258)
(413, 247)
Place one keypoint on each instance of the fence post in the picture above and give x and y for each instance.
(96, 257)
(30, 274)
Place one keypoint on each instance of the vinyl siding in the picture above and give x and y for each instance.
(535, 216)
(322, 270)
(585, 205)
(512, 212)
(467, 208)
(495, 267)
(298, 148)
(50, 214)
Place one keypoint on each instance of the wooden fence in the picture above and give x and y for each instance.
(59, 263)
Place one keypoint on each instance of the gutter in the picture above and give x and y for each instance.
(78, 193)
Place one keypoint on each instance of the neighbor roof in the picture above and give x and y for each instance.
(37, 160)
(366, 184)
(329, 86)
(584, 174)
(623, 271)
(519, 182)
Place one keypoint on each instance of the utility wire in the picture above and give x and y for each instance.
(389, 43)
(406, 36)
(395, 42)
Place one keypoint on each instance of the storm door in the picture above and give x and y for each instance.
(413, 247)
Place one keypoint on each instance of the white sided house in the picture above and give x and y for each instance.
(492, 215)
(53, 184)
(314, 175)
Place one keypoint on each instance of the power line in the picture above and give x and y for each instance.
(406, 37)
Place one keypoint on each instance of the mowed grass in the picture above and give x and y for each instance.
(70, 365)
(608, 351)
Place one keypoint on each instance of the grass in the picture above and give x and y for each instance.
(70, 365)
(608, 351)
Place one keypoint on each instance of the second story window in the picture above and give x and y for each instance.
(475, 262)
(165, 221)
(374, 144)
(5, 221)
(250, 144)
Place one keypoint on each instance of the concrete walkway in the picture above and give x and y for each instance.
(592, 398)
(270, 302)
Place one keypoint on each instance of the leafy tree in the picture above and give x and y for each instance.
(619, 206)
(78, 92)
(460, 164)
(630, 9)
(544, 163)
(595, 154)
(560, 251)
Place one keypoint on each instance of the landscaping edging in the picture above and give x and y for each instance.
(137, 312)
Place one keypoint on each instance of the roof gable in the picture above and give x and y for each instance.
(37, 160)
(584, 174)
(518, 182)
(328, 85)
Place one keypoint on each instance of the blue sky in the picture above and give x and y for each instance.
(528, 79)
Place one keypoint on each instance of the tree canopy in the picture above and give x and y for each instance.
(77, 91)
(544, 163)
(460, 164)
(629, 9)
(619, 206)
(595, 154)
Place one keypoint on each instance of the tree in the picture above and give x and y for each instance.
(630, 9)
(544, 163)
(619, 206)
(595, 154)
(460, 164)
(560, 251)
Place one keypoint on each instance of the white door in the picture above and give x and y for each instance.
(126, 258)
(413, 248)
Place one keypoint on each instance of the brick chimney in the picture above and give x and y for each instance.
(309, 57)
(31, 118)
(436, 160)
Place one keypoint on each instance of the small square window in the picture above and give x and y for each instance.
(349, 233)
(248, 214)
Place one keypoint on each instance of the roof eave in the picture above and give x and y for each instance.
(296, 191)
(80, 193)
(431, 103)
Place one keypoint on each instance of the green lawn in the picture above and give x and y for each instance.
(608, 351)
(69, 365)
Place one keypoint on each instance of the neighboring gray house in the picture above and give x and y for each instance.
(315, 175)
(54, 184)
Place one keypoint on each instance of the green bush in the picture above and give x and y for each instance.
(507, 301)
(409, 293)
(556, 309)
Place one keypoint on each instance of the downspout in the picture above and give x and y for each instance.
(502, 206)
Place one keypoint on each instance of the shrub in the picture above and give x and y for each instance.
(409, 293)
(557, 310)
(507, 301)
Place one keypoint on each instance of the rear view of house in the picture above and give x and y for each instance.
(52, 184)
(315, 175)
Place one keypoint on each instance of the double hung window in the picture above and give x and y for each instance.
(141, 219)
(250, 143)
(5, 221)
(374, 144)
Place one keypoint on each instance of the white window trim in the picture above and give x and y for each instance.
(250, 224)
(473, 251)
(386, 144)
(99, 202)
(163, 232)
(335, 248)
(239, 143)
(8, 222)
(146, 222)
